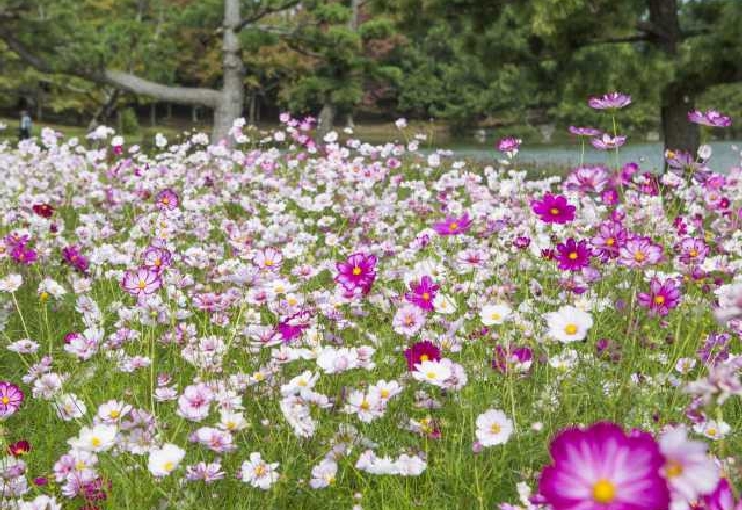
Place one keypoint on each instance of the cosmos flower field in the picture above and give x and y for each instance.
(286, 322)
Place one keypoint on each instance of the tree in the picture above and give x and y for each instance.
(58, 37)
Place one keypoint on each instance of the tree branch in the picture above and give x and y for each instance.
(119, 79)
(262, 13)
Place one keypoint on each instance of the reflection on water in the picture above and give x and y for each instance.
(725, 155)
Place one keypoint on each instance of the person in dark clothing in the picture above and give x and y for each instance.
(24, 131)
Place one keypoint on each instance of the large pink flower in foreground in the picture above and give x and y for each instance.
(141, 281)
(358, 271)
(602, 468)
(554, 209)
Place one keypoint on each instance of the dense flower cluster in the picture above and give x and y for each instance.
(295, 315)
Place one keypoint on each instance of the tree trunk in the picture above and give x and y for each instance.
(153, 114)
(678, 132)
(325, 121)
(232, 97)
(253, 101)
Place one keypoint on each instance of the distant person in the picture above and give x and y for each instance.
(24, 132)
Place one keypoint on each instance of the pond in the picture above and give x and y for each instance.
(725, 155)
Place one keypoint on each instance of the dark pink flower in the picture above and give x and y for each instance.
(358, 271)
(423, 293)
(72, 256)
(453, 226)
(661, 298)
(584, 131)
(23, 255)
(609, 240)
(512, 359)
(722, 498)
(158, 258)
(572, 255)
(420, 352)
(554, 209)
(509, 145)
(602, 468)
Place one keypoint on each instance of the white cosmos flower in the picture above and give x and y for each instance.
(432, 372)
(568, 324)
(163, 461)
(99, 438)
(495, 314)
(493, 428)
(258, 473)
(443, 304)
(689, 470)
(11, 283)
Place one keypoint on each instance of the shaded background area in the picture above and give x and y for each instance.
(480, 69)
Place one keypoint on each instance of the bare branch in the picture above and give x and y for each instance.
(262, 13)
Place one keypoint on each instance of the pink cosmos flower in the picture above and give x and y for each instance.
(693, 251)
(358, 271)
(640, 251)
(584, 131)
(73, 257)
(572, 255)
(453, 226)
(661, 298)
(167, 199)
(554, 209)
(23, 255)
(269, 259)
(610, 101)
(609, 240)
(423, 293)
(602, 468)
(11, 398)
(608, 142)
(141, 281)
(157, 258)
(711, 118)
(588, 179)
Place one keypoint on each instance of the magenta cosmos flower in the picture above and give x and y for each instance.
(554, 209)
(693, 251)
(601, 468)
(357, 272)
(661, 298)
(72, 255)
(611, 101)
(572, 255)
(420, 352)
(509, 145)
(167, 199)
(711, 118)
(609, 240)
(23, 255)
(453, 226)
(141, 281)
(640, 251)
(11, 398)
(423, 293)
(722, 498)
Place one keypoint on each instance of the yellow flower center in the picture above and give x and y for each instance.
(495, 316)
(430, 375)
(604, 491)
(365, 405)
(79, 465)
(693, 253)
(639, 256)
(610, 241)
(168, 466)
(659, 300)
(5, 400)
(356, 271)
(259, 470)
(554, 211)
(385, 393)
(114, 413)
(95, 441)
(571, 329)
(573, 255)
(495, 428)
(424, 358)
(292, 301)
(453, 226)
(711, 432)
(269, 262)
(673, 469)
(258, 376)
(166, 201)
(426, 296)
(142, 284)
(44, 295)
